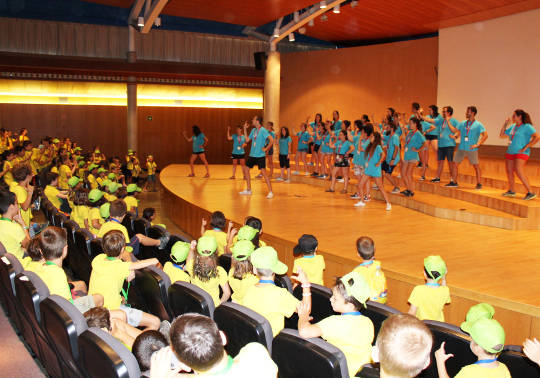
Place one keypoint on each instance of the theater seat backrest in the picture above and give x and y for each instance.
(378, 313)
(96, 247)
(283, 281)
(185, 297)
(307, 358)
(518, 364)
(81, 264)
(101, 355)
(140, 225)
(9, 268)
(151, 287)
(321, 307)
(128, 224)
(242, 326)
(59, 219)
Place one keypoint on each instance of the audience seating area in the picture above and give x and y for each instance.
(57, 334)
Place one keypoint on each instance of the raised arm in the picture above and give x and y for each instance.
(186, 137)
(505, 125)
(229, 133)
(245, 132)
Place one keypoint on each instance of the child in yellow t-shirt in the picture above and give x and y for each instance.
(487, 342)
(310, 262)
(7, 167)
(81, 211)
(151, 167)
(176, 269)
(131, 200)
(13, 232)
(371, 269)
(64, 172)
(427, 301)
(351, 332)
(92, 173)
(217, 222)
(205, 272)
(95, 200)
(241, 276)
(23, 190)
(102, 175)
(272, 302)
(52, 193)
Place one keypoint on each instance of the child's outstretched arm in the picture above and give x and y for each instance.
(306, 287)
(440, 358)
(305, 328)
(143, 263)
(412, 310)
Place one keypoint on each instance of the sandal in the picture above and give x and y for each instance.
(191, 175)
(207, 175)
(330, 190)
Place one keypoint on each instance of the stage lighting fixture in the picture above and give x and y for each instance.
(276, 32)
(336, 9)
(140, 22)
(354, 3)
(311, 22)
(291, 37)
(323, 4)
(324, 17)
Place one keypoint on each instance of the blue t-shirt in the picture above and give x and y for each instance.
(273, 134)
(359, 158)
(519, 137)
(371, 169)
(325, 147)
(416, 140)
(318, 138)
(284, 145)
(238, 141)
(437, 124)
(198, 141)
(343, 147)
(470, 133)
(445, 132)
(258, 140)
(337, 126)
(303, 139)
(313, 126)
(392, 145)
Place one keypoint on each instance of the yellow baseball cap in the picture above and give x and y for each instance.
(267, 258)
(206, 245)
(242, 250)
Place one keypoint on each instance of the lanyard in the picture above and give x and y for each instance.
(6, 219)
(124, 292)
(267, 282)
(309, 256)
(468, 127)
(366, 263)
(226, 368)
(115, 220)
(516, 127)
(354, 313)
(433, 284)
(217, 229)
(255, 135)
(178, 266)
(69, 289)
(444, 123)
(485, 361)
(409, 137)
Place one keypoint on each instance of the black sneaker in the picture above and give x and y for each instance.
(314, 174)
(411, 194)
(419, 165)
(405, 192)
(422, 178)
(452, 184)
(436, 179)
(509, 193)
(478, 186)
(529, 196)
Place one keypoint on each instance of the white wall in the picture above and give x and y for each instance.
(494, 65)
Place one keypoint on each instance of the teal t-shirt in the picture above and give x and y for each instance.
(343, 147)
(313, 126)
(258, 139)
(198, 142)
(519, 137)
(426, 125)
(284, 144)
(359, 156)
(470, 133)
(303, 139)
(273, 134)
(445, 132)
(318, 138)
(371, 169)
(325, 147)
(337, 126)
(416, 140)
(392, 145)
(238, 141)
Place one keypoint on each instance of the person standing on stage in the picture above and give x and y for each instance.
(313, 130)
(415, 142)
(430, 127)
(270, 151)
(257, 137)
(473, 135)
(304, 138)
(522, 136)
(199, 143)
(238, 153)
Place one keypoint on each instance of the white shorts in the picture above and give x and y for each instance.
(133, 315)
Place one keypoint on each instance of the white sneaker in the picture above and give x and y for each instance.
(341, 180)
(307, 174)
(279, 179)
(360, 204)
(287, 180)
(395, 190)
(295, 173)
(388, 206)
(270, 195)
(245, 193)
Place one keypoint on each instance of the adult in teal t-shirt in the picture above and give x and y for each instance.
(447, 145)
(284, 143)
(238, 152)
(415, 142)
(199, 141)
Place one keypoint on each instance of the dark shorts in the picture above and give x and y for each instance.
(151, 178)
(303, 149)
(270, 152)
(238, 156)
(387, 167)
(284, 161)
(446, 153)
(341, 161)
(310, 147)
(316, 147)
(431, 137)
(256, 161)
(198, 153)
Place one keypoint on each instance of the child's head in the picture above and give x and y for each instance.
(479, 311)
(113, 243)
(241, 263)
(266, 263)
(206, 261)
(34, 249)
(74, 182)
(121, 193)
(217, 220)
(434, 268)
(146, 344)
(254, 222)
(307, 245)
(350, 293)
(98, 317)
(118, 209)
(249, 233)
(81, 197)
(197, 342)
(22, 173)
(179, 252)
(8, 203)
(51, 178)
(403, 346)
(149, 214)
(133, 189)
(95, 198)
(53, 243)
(365, 247)
(487, 337)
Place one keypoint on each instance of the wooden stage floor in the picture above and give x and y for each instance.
(488, 264)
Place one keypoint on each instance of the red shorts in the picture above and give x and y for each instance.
(517, 156)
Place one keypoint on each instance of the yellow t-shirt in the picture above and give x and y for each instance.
(92, 181)
(54, 169)
(151, 167)
(430, 301)
(11, 236)
(54, 277)
(221, 238)
(212, 285)
(112, 225)
(175, 273)
(107, 279)
(353, 335)
(313, 266)
(8, 177)
(100, 180)
(79, 214)
(63, 176)
(52, 194)
(31, 265)
(476, 371)
(110, 197)
(93, 213)
(34, 160)
(372, 272)
(21, 195)
(241, 286)
(131, 202)
(272, 302)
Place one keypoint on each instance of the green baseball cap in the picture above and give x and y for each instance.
(77, 148)
(101, 170)
(113, 187)
(179, 252)
(479, 311)
(105, 210)
(356, 286)
(81, 163)
(73, 181)
(130, 153)
(92, 166)
(111, 176)
(267, 258)
(95, 195)
(133, 188)
(97, 151)
(489, 334)
(79, 157)
(56, 140)
(435, 264)
(130, 150)
(242, 250)
(206, 245)
(247, 233)
(105, 183)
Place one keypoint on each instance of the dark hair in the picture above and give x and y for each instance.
(320, 117)
(416, 106)
(98, 203)
(373, 145)
(270, 123)
(217, 220)
(80, 197)
(365, 247)
(368, 129)
(259, 119)
(7, 199)
(118, 208)
(121, 193)
(113, 243)
(286, 132)
(52, 242)
(196, 130)
(525, 117)
(449, 110)
(365, 118)
(349, 299)
(347, 123)
(148, 213)
(205, 267)
(435, 110)
(21, 172)
(145, 345)
(473, 109)
(417, 122)
(392, 111)
(34, 249)
(358, 123)
(196, 341)
(50, 177)
(98, 317)
(254, 222)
